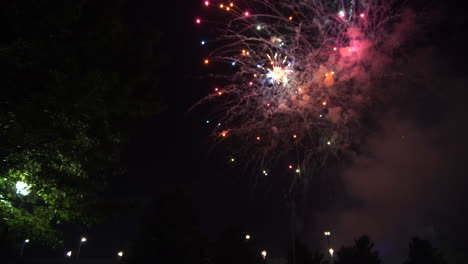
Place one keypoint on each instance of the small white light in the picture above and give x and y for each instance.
(259, 27)
(22, 188)
(26, 241)
(68, 254)
(83, 239)
(202, 42)
(120, 253)
(247, 237)
(331, 251)
(264, 253)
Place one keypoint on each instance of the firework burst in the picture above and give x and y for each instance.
(305, 74)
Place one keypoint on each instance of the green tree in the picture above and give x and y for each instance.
(75, 75)
(361, 253)
(422, 252)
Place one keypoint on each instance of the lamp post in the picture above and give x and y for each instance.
(119, 256)
(68, 257)
(327, 234)
(83, 240)
(22, 247)
(331, 254)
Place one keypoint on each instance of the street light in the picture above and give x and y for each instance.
(83, 240)
(119, 256)
(327, 234)
(264, 253)
(22, 188)
(247, 237)
(331, 252)
(68, 254)
(22, 246)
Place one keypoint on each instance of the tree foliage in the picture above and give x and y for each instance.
(302, 255)
(361, 253)
(422, 252)
(74, 75)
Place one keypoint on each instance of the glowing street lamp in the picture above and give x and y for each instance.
(82, 240)
(264, 254)
(68, 254)
(22, 188)
(120, 254)
(22, 246)
(327, 234)
(331, 252)
(247, 237)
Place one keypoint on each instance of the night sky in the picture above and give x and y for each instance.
(409, 178)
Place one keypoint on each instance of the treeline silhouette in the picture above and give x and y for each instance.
(169, 234)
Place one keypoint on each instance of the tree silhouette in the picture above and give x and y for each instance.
(302, 255)
(422, 252)
(361, 253)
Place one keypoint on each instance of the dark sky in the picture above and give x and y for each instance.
(409, 179)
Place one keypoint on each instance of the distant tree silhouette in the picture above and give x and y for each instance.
(302, 255)
(361, 253)
(422, 252)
